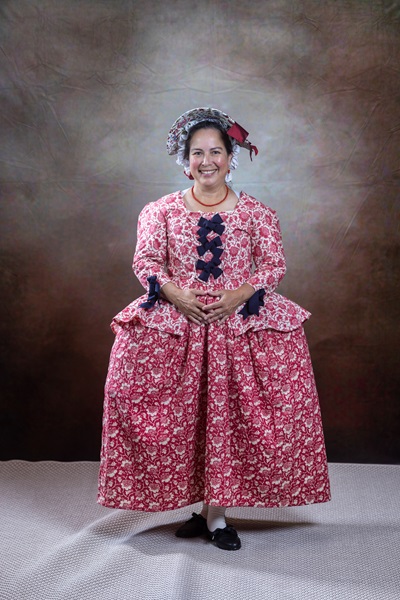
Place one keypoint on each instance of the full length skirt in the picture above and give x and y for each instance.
(210, 416)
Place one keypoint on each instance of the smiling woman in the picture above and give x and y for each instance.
(210, 155)
(210, 394)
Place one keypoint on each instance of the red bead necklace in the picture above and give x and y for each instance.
(209, 205)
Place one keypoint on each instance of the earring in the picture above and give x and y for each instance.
(189, 175)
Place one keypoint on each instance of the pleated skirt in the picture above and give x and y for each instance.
(210, 416)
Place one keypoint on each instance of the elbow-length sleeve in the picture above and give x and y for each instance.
(150, 258)
(267, 251)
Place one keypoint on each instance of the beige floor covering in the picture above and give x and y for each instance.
(58, 544)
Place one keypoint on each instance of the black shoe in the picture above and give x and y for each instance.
(226, 539)
(196, 526)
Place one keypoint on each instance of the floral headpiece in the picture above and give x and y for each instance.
(179, 132)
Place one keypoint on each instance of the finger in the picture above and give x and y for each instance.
(213, 306)
(212, 315)
(199, 292)
(198, 309)
(215, 293)
(196, 318)
(201, 309)
(213, 321)
(197, 314)
(215, 317)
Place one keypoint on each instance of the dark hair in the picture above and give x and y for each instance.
(208, 125)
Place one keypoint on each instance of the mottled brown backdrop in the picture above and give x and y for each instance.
(89, 89)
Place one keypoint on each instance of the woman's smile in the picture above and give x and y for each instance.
(207, 172)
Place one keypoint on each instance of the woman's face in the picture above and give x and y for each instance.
(208, 159)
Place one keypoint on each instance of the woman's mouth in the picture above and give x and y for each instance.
(208, 172)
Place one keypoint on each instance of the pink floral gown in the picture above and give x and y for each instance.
(224, 413)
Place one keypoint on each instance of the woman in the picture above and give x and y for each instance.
(210, 394)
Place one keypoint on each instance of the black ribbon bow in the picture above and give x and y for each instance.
(154, 293)
(253, 304)
(207, 225)
(211, 246)
(211, 267)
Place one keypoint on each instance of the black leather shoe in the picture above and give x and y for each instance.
(196, 526)
(226, 539)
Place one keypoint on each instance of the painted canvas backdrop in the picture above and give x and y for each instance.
(89, 90)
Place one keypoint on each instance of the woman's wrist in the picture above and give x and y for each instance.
(245, 291)
(169, 291)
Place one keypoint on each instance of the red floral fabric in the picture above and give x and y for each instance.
(224, 413)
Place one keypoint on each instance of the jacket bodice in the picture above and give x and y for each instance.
(211, 251)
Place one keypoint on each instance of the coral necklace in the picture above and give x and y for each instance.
(209, 205)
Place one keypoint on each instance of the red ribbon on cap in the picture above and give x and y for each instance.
(238, 133)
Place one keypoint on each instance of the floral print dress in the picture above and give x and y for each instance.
(223, 413)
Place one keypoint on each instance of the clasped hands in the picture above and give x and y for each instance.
(189, 303)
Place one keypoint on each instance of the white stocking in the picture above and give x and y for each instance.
(216, 517)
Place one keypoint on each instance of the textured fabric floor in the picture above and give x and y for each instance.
(58, 544)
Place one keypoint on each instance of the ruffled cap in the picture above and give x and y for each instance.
(185, 122)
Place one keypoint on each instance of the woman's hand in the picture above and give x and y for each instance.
(228, 302)
(186, 302)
